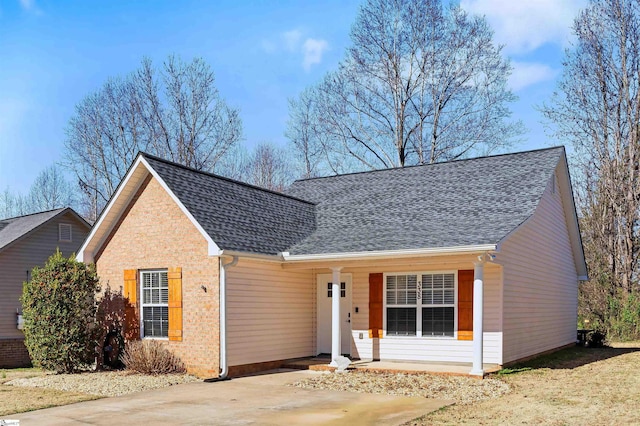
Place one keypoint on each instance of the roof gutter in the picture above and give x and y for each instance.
(384, 254)
(249, 255)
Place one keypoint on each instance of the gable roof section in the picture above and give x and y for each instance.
(464, 203)
(230, 215)
(458, 206)
(16, 228)
(237, 216)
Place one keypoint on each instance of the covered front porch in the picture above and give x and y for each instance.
(439, 314)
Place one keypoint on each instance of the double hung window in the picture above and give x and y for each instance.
(155, 303)
(420, 304)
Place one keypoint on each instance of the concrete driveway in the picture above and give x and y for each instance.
(261, 399)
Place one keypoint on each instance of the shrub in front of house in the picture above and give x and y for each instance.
(151, 357)
(58, 305)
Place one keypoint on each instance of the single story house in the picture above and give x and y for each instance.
(26, 242)
(470, 261)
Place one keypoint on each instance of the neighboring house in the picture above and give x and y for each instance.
(26, 242)
(471, 261)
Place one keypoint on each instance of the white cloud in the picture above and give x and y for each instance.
(528, 73)
(295, 42)
(313, 49)
(30, 6)
(523, 26)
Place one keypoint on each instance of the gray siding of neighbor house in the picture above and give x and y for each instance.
(21, 256)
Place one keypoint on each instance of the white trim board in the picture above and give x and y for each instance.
(115, 207)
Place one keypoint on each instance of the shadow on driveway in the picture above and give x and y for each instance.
(261, 399)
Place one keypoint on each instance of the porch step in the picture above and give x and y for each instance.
(315, 364)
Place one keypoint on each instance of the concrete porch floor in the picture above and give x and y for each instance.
(320, 363)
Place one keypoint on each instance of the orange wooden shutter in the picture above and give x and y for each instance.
(375, 305)
(174, 276)
(132, 324)
(465, 305)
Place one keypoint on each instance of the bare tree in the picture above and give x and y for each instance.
(597, 109)
(235, 164)
(269, 167)
(50, 190)
(175, 112)
(420, 83)
(266, 165)
(195, 127)
(12, 205)
(303, 133)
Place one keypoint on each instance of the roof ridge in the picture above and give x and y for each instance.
(213, 175)
(33, 214)
(434, 164)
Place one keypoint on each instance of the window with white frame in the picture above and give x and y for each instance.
(155, 303)
(420, 304)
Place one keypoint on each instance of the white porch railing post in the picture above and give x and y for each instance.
(478, 306)
(335, 317)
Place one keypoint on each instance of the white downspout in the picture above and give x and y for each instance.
(224, 366)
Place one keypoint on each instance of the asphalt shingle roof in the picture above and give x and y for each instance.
(237, 216)
(13, 228)
(458, 203)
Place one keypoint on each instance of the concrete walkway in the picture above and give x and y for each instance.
(261, 399)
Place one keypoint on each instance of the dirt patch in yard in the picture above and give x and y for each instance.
(573, 386)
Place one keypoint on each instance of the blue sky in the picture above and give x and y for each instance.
(54, 53)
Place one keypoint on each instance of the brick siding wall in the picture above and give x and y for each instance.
(13, 353)
(155, 234)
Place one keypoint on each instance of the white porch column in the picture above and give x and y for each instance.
(478, 304)
(335, 317)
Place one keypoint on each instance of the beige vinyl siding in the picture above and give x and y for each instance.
(21, 256)
(436, 349)
(541, 283)
(270, 313)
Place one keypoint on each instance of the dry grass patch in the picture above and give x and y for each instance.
(14, 399)
(573, 386)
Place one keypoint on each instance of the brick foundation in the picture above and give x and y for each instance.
(13, 354)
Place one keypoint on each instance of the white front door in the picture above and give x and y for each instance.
(324, 313)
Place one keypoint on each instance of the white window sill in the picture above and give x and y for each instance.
(394, 336)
